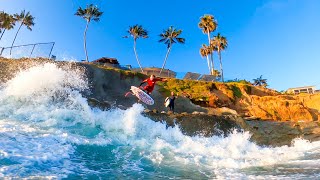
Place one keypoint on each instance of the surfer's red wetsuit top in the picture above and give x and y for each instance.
(150, 84)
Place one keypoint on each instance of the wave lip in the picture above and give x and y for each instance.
(45, 78)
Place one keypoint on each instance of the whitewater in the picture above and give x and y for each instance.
(48, 130)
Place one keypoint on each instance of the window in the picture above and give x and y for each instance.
(303, 90)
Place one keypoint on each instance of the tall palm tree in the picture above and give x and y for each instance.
(170, 37)
(136, 32)
(25, 19)
(220, 43)
(260, 82)
(91, 12)
(208, 24)
(7, 22)
(205, 51)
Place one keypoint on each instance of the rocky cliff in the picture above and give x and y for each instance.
(272, 118)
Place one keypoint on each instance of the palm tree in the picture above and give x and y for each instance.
(136, 32)
(7, 22)
(24, 19)
(208, 24)
(90, 13)
(260, 82)
(220, 43)
(170, 37)
(216, 74)
(205, 51)
(2, 19)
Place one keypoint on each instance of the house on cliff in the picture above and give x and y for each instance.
(305, 89)
(156, 71)
(109, 62)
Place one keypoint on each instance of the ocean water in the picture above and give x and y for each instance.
(48, 130)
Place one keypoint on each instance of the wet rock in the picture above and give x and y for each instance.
(122, 107)
(97, 104)
(170, 113)
(195, 113)
(273, 133)
(199, 124)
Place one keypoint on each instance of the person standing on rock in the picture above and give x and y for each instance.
(171, 100)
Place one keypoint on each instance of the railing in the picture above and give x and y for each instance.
(28, 50)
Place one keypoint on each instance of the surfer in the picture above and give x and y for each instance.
(151, 82)
(171, 101)
(143, 93)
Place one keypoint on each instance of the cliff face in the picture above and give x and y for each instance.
(248, 100)
(271, 118)
(284, 108)
(107, 86)
(110, 85)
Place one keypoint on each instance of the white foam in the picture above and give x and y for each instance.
(235, 151)
(36, 128)
(26, 146)
(47, 77)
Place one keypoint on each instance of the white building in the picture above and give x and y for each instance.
(305, 89)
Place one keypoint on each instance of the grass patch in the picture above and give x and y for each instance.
(236, 91)
(247, 89)
(195, 90)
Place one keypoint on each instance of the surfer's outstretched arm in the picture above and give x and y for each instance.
(161, 79)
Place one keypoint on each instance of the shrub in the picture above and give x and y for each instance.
(236, 91)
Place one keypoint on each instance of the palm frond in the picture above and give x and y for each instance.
(7, 21)
(91, 12)
(170, 36)
(25, 18)
(137, 31)
(208, 23)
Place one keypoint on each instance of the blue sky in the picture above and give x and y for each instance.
(279, 39)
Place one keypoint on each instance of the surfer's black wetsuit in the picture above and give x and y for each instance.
(171, 104)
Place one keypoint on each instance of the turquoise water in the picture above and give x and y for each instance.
(47, 130)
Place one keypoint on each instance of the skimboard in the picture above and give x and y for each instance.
(167, 102)
(142, 96)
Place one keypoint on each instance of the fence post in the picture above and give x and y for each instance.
(32, 50)
(51, 50)
(1, 51)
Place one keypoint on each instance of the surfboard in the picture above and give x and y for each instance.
(142, 96)
(167, 102)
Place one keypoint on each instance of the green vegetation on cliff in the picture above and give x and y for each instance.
(203, 91)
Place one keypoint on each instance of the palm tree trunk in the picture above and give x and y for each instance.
(135, 52)
(15, 37)
(85, 41)
(2, 34)
(208, 61)
(211, 54)
(165, 59)
(221, 66)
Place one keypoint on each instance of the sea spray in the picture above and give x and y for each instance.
(47, 129)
